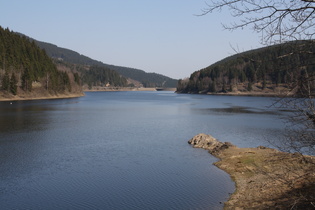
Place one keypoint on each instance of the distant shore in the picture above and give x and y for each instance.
(96, 89)
(40, 97)
(252, 93)
(270, 91)
(265, 178)
(245, 93)
(36, 95)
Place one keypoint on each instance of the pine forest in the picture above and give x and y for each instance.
(284, 66)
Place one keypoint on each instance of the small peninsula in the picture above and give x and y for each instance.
(265, 178)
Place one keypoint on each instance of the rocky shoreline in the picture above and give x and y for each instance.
(265, 178)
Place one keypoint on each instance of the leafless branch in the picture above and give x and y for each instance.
(278, 20)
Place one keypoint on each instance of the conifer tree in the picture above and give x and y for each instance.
(26, 80)
(19, 55)
(264, 83)
(250, 86)
(5, 82)
(13, 84)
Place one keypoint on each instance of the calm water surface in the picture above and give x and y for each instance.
(124, 150)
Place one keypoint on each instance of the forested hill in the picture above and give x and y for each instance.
(69, 56)
(268, 69)
(27, 71)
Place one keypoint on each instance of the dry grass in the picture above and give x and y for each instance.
(267, 178)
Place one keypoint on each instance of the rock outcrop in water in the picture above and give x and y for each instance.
(265, 178)
(209, 143)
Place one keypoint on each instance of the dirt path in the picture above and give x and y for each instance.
(265, 178)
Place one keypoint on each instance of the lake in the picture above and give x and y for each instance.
(124, 150)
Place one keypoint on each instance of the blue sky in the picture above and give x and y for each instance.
(162, 36)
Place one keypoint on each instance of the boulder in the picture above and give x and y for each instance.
(209, 143)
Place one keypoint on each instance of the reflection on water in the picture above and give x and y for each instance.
(237, 110)
(124, 150)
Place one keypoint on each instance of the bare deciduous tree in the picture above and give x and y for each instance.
(276, 20)
(279, 21)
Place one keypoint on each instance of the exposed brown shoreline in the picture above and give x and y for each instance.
(36, 95)
(110, 89)
(27, 97)
(254, 94)
(113, 89)
(246, 93)
(265, 178)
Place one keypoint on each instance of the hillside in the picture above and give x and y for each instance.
(26, 71)
(69, 56)
(267, 70)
